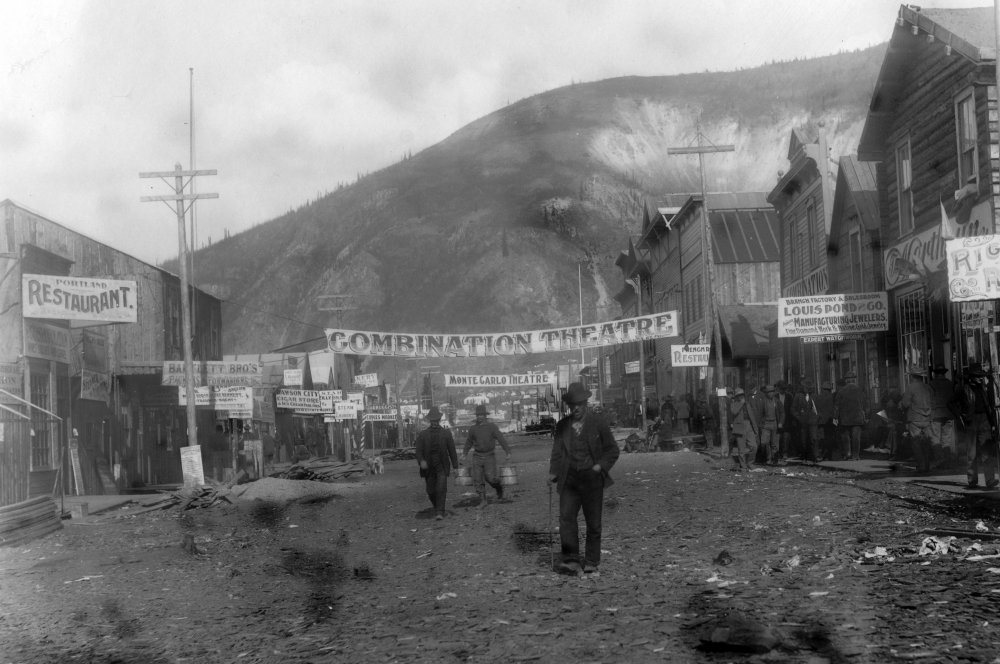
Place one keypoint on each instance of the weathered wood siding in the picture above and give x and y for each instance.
(926, 114)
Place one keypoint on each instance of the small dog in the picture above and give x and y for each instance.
(376, 466)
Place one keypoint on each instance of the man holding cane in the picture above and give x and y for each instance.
(583, 452)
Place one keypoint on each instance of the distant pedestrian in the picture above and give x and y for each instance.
(945, 405)
(745, 431)
(583, 452)
(807, 416)
(918, 401)
(786, 424)
(826, 421)
(978, 394)
(768, 414)
(667, 412)
(682, 413)
(851, 414)
(482, 440)
(436, 456)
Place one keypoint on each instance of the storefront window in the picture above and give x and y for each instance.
(911, 312)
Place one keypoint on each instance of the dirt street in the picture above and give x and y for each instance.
(701, 564)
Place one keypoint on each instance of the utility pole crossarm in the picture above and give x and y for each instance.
(178, 173)
(702, 149)
(711, 323)
(176, 197)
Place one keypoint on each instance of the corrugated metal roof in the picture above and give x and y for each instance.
(744, 225)
(744, 236)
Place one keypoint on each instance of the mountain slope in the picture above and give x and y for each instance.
(483, 231)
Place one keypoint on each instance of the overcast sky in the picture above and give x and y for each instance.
(291, 98)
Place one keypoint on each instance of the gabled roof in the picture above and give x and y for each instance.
(856, 184)
(967, 33)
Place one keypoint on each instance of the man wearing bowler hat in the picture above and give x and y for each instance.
(583, 451)
(435, 452)
(482, 440)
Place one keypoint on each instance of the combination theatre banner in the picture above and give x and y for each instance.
(509, 380)
(399, 344)
(822, 318)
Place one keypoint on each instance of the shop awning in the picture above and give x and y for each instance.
(744, 328)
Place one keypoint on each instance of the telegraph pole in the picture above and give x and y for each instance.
(636, 283)
(179, 198)
(711, 323)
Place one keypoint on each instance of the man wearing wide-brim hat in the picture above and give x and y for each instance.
(583, 452)
(918, 402)
(850, 415)
(482, 440)
(978, 393)
(436, 456)
(806, 414)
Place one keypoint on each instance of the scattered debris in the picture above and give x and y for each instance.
(324, 469)
(724, 558)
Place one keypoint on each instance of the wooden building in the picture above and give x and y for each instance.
(854, 263)
(745, 282)
(803, 198)
(98, 419)
(932, 130)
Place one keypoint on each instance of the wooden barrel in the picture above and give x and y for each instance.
(462, 476)
(508, 475)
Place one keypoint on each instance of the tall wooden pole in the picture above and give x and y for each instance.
(179, 198)
(708, 261)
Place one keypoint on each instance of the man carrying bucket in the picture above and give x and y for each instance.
(483, 438)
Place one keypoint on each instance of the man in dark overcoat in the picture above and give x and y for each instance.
(436, 456)
(583, 452)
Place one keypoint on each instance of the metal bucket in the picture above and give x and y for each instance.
(508, 475)
(462, 476)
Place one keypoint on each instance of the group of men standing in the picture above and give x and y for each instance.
(931, 409)
(772, 422)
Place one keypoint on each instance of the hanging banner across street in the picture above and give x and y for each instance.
(845, 313)
(398, 344)
(509, 380)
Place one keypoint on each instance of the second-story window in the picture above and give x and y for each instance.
(904, 186)
(965, 121)
(811, 233)
(854, 256)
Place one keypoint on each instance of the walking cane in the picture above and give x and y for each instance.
(552, 559)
